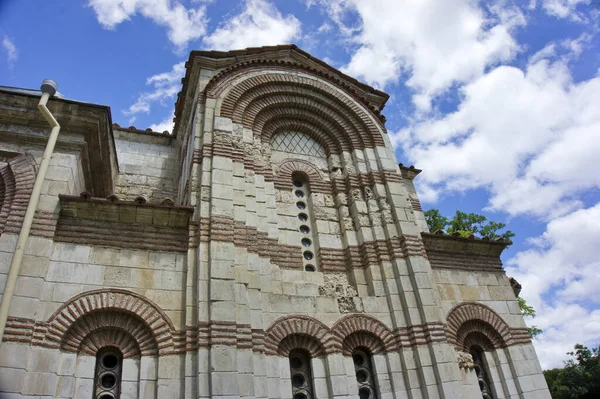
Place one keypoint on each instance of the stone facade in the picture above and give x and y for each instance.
(270, 248)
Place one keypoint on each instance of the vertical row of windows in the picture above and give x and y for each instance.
(108, 375)
(302, 193)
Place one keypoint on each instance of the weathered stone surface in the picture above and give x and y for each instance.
(206, 261)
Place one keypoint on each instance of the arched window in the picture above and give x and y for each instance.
(301, 193)
(297, 143)
(363, 366)
(481, 371)
(301, 373)
(107, 378)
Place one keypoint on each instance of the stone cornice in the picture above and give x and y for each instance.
(114, 210)
(440, 241)
(85, 128)
(123, 224)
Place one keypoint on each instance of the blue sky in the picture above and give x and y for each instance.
(497, 101)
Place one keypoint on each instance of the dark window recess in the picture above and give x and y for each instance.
(363, 366)
(301, 373)
(107, 377)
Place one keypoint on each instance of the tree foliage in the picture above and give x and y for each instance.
(466, 224)
(529, 311)
(579, 379)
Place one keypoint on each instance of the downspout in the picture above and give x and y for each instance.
(48, 90)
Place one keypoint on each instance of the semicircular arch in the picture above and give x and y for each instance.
(102, 328)
(246, 94)
(361, 323)
(224, 78)
(105, 301)
(469, 317)
(288, 326)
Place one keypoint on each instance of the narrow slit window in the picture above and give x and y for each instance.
(482, 372)
(301, 375)
(365, 377)
(107, 378)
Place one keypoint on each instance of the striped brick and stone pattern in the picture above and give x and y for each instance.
(188, 253)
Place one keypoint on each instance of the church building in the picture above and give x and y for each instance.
(271, 246)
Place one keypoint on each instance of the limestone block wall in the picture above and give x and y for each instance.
(149, 165)
(514, 370)
(17, 175)
(39, 360)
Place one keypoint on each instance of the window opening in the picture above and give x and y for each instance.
(301, 373)
(482, 372)
(297, 143)
(363, 366)
(307, 241)
(109, 364)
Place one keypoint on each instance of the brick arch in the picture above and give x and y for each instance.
(16, 182)
(313, 100)
(353, 134)
(287, 168)
(300, 341)
(317, 129)
(362, 339)
(470, 317)
(246, 94)
(134, 309)
(477, 333)
(101, 329)
(299, 326)
(365, 329)
(224, 78)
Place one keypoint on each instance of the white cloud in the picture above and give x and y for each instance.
(11, 50)
(564, 8)
(165, 125)
(183, 24)
(433, 43)
(164, 86)
(528, 136)
(560, 277)
(259, 24)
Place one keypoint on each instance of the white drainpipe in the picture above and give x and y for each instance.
(48, 90)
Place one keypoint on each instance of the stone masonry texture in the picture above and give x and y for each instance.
(274, 220)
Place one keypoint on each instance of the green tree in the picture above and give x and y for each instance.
(579, 379)
(467, 224)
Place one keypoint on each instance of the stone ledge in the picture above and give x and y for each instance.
(123, 224)
(455, 252)
(115, 210)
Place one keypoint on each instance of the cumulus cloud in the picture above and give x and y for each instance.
(561, 279)
(165, 125)
(183, 24)
(565, 8)
(259, 24)
(526, 135)
(431, 44)
(165, 86)
(11, 51)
